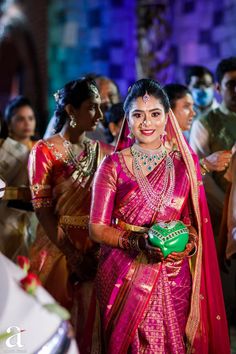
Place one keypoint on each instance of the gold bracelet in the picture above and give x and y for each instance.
(194, 251)
(203, 172)
(204, 166)
(123, 240)
(128, 240)
(195, 236)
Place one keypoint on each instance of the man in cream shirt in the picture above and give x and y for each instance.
(213, 136)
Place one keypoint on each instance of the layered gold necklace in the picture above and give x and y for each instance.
(85, 166)
(149, 159)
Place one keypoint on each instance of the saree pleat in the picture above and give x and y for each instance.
(164, 314)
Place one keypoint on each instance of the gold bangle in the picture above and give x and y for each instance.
(128, 240)
(203, 171)
(195, 236)
(194, 251)
(204, 166)
(123, 240)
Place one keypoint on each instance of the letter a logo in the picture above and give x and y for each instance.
(15, 339)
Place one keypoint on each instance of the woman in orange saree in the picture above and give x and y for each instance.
(61, 171)
(152, 304)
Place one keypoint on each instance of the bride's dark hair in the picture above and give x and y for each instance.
(143, 86)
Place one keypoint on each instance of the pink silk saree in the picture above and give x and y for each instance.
(148, 307)
(144, 287)
(50, 174)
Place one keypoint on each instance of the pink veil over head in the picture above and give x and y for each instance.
(206, 329)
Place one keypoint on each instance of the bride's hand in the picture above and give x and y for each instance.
(154, 253)
(178, 256)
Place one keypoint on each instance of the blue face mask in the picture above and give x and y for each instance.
(203, 97)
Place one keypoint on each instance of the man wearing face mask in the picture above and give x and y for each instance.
(200, 82)
(214, 134)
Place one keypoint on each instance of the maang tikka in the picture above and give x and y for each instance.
(94, 90)
(146, 98)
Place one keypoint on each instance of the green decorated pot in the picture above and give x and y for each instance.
(169, 237)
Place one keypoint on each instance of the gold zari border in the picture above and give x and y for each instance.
(128, 227)
(77, 220)
(17, 193)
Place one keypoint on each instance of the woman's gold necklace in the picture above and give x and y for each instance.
(85, 166)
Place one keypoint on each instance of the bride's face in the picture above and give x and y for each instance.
(147, 120)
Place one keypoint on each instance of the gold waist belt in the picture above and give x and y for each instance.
(75, 221)
(128, 227)
(17, 193)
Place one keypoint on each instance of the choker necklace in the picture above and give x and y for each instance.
(157, 201)
(149, 159)
(86, 165)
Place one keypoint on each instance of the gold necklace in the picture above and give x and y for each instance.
(157, 200)
(85, 166)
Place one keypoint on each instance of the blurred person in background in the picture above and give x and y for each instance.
(200, 82)
(213, 136)
(19, 66)
(113, 120)
(17, 220)
(61, 170)
(227, 243)
(181, 103)
(109, 93)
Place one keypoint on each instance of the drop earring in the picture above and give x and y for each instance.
(163, 137)
(130, 135)
(72, 121)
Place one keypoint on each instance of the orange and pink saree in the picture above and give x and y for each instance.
(52, 185)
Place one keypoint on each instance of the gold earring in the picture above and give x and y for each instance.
(72, 121)
(130, 135)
